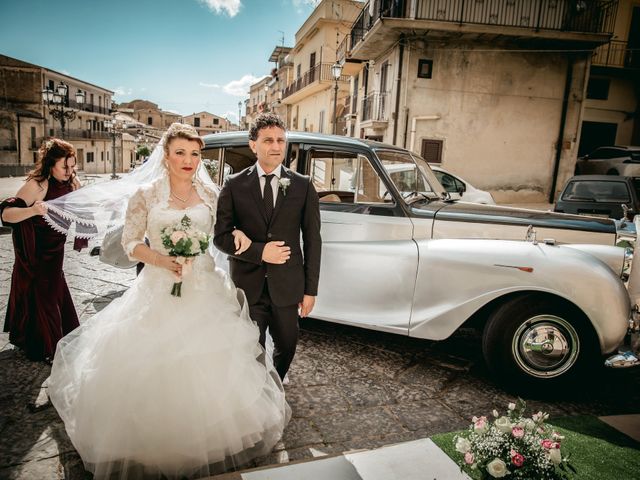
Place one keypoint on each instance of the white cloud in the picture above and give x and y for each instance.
(230, 113)
(209, 85)
(122, 91)
(240, 88)
(230, 7)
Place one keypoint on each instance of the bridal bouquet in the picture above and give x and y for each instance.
(513, 446)
(183, 242)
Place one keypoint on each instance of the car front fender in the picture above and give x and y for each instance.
(457, 277)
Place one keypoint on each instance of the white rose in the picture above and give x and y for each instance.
(512, 406)
(503, 424)
(495, 413)
(529, 425)
(463, 445)
(555, 456)
(497, 468)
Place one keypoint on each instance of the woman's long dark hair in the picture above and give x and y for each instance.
(50, 151)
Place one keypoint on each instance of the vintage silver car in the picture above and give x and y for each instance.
(400, 256)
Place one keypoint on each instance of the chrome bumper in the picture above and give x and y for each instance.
(628, 354)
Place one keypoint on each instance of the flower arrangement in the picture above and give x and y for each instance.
(185, 243)
(513, 446)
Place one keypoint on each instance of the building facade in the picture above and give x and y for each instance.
(26, 119)
(492, 90)
(313, 96)
(206, 123)
(612, 108)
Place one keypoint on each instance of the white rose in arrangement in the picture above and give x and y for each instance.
(529, 425)
(463, 445)
(512, 406)
(497, 468)
(555, 456)
(504, 424)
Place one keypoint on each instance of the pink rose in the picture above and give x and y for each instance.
(517, 459)
(548, 444)
(517, 432)
(177, 236)
(468, 458)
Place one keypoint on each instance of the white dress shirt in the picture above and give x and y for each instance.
(274, 181)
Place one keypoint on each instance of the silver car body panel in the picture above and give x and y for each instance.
(381, 246)
(458, 277)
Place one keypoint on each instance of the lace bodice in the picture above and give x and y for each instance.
(149, 212)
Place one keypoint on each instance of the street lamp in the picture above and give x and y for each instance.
(336, 72)
(239, 114)
(56, 100)
(114, 127)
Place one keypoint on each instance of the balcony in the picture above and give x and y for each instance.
(615, 54)
(8, 145)
(549, 23)
(314, 80)
(77, 134)
(375, 110)
(86, 107)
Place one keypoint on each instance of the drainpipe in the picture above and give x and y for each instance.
(563, 119)
(415, 120)
(396, 113)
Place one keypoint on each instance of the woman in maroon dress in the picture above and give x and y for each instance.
(40, 309)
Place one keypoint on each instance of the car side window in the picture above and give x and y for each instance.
(447, 181)
(345, 177)
(236, 159)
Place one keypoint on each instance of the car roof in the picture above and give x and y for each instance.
(630, 148)
(600, 178)
(242, 137)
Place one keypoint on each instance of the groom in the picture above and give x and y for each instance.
(272, 205)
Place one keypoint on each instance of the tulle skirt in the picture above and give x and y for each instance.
(157, 386)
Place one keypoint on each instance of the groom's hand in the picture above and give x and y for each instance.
(276, 252)
(306, 305)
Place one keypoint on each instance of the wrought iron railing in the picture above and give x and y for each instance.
(319, 72)
(375, 107)
(616, 54)
(76, 134)
(595, 16)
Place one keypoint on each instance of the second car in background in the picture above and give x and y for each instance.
(459, 188)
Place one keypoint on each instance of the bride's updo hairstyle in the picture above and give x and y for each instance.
(181, 130)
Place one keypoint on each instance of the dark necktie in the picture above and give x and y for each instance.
(268, 195)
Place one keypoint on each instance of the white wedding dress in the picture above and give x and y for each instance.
(157, 386)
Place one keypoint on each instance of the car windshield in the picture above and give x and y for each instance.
(596, 191)
(410, 174)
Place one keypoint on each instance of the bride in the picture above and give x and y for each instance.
(162, 386)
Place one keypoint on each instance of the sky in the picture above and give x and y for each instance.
(187, 56)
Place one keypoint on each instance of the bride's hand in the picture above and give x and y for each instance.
(240, 241)
(168, 262)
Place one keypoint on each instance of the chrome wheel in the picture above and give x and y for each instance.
(545, 346)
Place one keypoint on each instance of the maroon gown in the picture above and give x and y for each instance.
(40, 309)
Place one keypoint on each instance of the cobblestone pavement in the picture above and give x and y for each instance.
(350, 388)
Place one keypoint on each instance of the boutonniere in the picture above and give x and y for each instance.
(284, 183)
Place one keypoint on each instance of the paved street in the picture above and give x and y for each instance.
(350, 388)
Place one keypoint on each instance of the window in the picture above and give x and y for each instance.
(216, 121)
(90, 157)
(425, 68)
(598, 88)
(102, 156)
(237, 159)
(321, 122)
(298, 70)
(354, 102)
(33, 138)
(346, 178)
(149, 121)
(196, 122)
(597, 191)
(432, 151)
(449, 182)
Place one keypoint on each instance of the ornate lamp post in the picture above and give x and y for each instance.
(114, 127)
(56, 100)
(239, 114)
(336, 72)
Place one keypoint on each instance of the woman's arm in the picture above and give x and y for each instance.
(32, 193)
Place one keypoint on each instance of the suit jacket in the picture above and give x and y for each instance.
(240, 206)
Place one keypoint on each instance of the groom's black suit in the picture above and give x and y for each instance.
(273, 291)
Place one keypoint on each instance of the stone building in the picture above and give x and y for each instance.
(206, 123)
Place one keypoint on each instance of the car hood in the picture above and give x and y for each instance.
(477, 213)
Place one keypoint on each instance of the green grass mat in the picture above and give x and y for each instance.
(598, 451)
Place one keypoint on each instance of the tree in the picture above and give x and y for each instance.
(143, 151)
